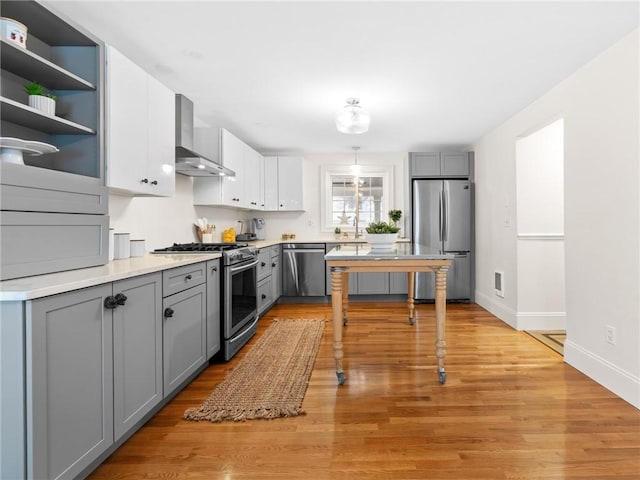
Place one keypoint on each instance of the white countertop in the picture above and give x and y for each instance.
(399, 251)
(39, 286)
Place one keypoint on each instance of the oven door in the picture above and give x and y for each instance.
(240, 296)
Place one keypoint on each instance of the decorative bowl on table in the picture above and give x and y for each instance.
(381, 241)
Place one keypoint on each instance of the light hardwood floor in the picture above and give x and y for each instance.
(511, 409)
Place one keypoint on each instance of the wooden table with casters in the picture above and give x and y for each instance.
(402, 257)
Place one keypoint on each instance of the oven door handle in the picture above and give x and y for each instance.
(244, 267)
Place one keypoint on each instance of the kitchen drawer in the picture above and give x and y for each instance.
(36, 243)
(264, 263)
(264, 295)
(178, 279)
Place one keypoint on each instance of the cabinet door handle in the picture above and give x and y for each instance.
(121, 298)
(110, 302)
(273, 265)
(144, 180)
(168, 312)
(264, 296)
(155, 182)
(188, 277)
(214, 269)
(263, 264)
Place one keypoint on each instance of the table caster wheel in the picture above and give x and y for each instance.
(345, 321)
(442, 376)
(341, 378)
(411, 321)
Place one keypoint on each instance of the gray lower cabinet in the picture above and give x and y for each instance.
(69, 382)
(276, 273)
(373, 283)
(137, 350)
(184, 327)
(213, 307)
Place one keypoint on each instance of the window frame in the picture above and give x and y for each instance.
(326, 197)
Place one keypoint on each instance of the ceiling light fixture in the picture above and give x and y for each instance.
(352, 118)
(355, 168)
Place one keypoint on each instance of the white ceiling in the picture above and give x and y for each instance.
(432, 74)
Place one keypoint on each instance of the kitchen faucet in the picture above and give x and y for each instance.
(355, 224)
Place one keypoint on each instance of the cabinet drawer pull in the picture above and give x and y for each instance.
(263, 264)
(121, 298)
(264, 296)
(168, 312)
(110, 302)
(214, 269)
(144, 180)
(155, 182)
(273, 265)
(188, 277)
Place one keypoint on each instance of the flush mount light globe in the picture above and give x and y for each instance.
(352, 118)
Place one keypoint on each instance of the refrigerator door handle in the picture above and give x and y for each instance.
(445, 214)
(440, 215)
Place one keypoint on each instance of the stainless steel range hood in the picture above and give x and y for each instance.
(188, 161)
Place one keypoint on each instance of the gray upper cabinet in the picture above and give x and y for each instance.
(67, 61)
(69, 388)
(213, 307)
(137, 350)
(439, 164)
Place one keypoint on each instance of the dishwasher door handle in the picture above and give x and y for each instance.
(304, 250)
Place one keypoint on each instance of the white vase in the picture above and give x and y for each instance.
(44, 104)
(381, 241)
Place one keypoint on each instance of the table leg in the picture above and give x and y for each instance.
(345, 297)
(410, 299)
(441, 315)
(337, 274)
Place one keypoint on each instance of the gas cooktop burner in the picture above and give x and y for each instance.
(200, 247)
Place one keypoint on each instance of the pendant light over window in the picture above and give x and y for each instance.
(352, 118)
(355, 168)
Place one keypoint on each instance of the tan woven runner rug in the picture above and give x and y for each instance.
(272, 378)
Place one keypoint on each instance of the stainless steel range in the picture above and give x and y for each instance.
(238, 287)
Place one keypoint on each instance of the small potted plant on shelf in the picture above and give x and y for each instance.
(337, 232)
(39, 99)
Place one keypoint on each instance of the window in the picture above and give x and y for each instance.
(347, 199)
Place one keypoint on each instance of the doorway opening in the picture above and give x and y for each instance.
(540, 229)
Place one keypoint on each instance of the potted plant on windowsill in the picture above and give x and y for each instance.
(39, 99)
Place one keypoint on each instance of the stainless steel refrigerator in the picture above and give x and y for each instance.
(442, 220)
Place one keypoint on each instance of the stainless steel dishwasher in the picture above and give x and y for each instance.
(303, 270)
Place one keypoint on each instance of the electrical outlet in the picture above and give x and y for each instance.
(611, 335)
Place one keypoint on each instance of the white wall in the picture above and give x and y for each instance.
(540, 226)
(599, 104)
(162, 221)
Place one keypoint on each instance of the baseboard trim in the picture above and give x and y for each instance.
(542, 321)
(619, 381)
(506, 314)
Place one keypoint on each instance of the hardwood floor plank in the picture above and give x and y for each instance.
(511, 409)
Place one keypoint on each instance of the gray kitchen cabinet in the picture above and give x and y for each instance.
(439, 164)
(184, 326)
(137, 350)
(398, 283)
(276, 273)
(264, 279)
(67, 61)
(373, 283)
(69, 382)
(213, 307)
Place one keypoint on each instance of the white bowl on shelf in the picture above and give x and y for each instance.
(381, 241)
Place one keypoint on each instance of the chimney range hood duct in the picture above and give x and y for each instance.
(188, 161)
